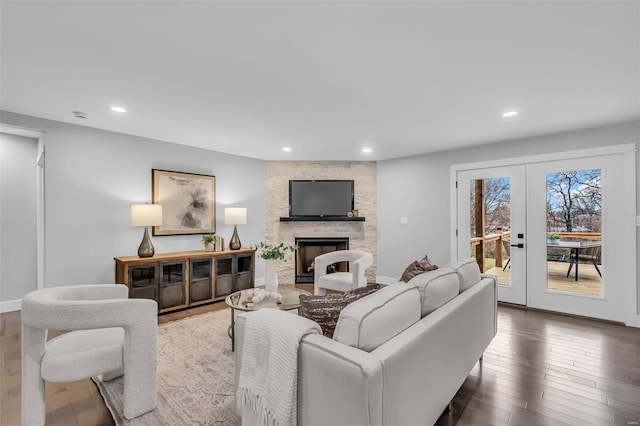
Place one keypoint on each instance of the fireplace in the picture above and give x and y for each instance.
(309, 248)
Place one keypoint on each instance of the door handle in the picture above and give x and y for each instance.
(518, 245)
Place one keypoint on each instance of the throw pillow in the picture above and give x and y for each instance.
(426, 264)
(417, 267)
(325, 310)
(411, 271)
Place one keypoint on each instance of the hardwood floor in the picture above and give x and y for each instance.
(547, 369)
(541, 369)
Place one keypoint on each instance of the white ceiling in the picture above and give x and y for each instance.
(324, 78)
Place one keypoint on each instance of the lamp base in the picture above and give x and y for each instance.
(146, 248)
(235, 243)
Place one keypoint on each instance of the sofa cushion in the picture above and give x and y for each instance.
(372, 320)
(468, 273)
(436, 288)
(326, 309)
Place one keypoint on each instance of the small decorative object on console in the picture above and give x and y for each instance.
(209, 242)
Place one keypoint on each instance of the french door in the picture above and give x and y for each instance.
(491, 226)
(583, 270)
(558, 234)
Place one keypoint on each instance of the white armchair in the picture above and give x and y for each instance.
(114, 335)
(359, 261)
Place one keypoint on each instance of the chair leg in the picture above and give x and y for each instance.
(140, 361)
(506, 264)
(33, 394)
(597, 269)
(570, 266)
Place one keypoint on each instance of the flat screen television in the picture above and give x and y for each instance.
(320, 198)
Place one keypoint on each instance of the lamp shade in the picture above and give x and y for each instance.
(146, 215)
(235, 216)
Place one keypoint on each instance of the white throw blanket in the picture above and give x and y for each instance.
(268, 383)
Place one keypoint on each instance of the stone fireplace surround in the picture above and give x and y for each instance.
(361, 235)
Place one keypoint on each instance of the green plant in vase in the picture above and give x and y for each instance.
(553, 238)
(209, 242)
(273, 253)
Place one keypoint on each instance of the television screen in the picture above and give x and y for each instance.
(320, 197)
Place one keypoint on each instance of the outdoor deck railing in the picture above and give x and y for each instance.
(478, 243)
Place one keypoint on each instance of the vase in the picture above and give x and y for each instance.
(209, 247)
(271, 279)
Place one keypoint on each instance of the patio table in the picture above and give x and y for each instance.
(575, 247)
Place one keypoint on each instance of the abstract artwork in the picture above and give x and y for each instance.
(188, 202)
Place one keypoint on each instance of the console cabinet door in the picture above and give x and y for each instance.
(224, 275)
(201, 280)
(244, 272)
(143, 281)
(172, 285)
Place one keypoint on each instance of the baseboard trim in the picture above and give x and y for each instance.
(381, 279)
(564, 314)
(10, 306)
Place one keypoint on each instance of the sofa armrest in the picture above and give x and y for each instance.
(337, 384)
(494, 278)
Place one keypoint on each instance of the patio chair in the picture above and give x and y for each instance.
(585, 255)
(506, 251)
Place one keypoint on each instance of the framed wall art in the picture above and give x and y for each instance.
(188, 202)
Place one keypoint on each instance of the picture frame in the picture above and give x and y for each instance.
(188, 202)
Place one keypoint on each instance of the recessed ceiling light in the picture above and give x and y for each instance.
(286, 149)
(366, 150)
(118, 109)
(510, 113)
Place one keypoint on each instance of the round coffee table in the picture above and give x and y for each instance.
(241, 301)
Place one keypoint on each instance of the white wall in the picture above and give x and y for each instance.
(93, 176)
(17, 217)
(418, 187)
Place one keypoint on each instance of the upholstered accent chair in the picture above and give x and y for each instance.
(359, 261)
(108, 334)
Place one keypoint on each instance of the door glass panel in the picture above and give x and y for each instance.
(491, 226)
(574, 231)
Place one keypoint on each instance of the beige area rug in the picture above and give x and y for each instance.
(195, 375)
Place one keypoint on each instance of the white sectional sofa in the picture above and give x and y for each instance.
(398, 356)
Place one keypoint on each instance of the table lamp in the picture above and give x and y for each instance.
(235, 216)
(146, 215)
